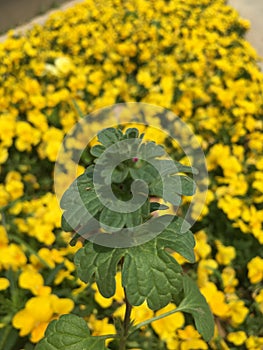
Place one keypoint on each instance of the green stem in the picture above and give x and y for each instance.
(5, 337)
(108, 336)
(150, 320)
(126, 324)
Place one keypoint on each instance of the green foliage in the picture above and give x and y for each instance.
(161, 175)
(150, 273)
(195, 304)
(70, 332)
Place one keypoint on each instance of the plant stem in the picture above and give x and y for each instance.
(126, 323)
(4, 337)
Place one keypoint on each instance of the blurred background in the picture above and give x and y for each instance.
(16, 12)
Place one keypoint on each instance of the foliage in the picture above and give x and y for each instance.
(149, 273)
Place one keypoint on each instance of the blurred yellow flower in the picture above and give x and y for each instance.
(4, 283)
(33, 280)
(3, 237)
(202, 248)
(215, 299)
(101, 327)
(254, 343)
(3, 154)
(27, 136)
(37, 314)
(229, 281)
(237, 338)
(237, 312)
(12, 256)
(255, 270)
(225, 254)
(167, 326)
(190, 339)
(259, 300)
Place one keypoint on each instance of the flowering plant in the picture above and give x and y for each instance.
(129, 238)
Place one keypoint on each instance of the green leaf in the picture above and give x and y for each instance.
(97, 150)
(80, 204)
(157, 206)
(132, 133)
(195, 304)
(109, 136)
(176, 236)
(112, 218)
(172, 187)
(147, 173)
(100, 262)
(119, 174)
(150, 150)
(149, 272)
(69, 332)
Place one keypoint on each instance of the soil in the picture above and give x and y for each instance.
(253, 11)
(13, 13)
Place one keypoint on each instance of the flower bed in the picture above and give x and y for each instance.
(187, 56)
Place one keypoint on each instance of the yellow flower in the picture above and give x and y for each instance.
(229, 280)
(141, 313)
(32, 280)
(254, 343)
(101, 327)
(12, 257)
(4, 196)
(3, 154)
(205, 268)
(237, 338)
(4, 283)
(202, 248)
(259, 300)
(3, 237)
(52, 139)
(225, 254)
(118, 296)
(237, 312)
(61, 306)
(103, 302)
(215, 299)
(7, 130)
(37, 310)
(26, 136)
(15, 188)
(231, 206)
(255, 270)
(167, 326)
(37, 314)
(191, 339)
(144, 78)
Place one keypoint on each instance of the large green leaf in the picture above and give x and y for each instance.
(69, 332)
(80, 203)
(195, 304)
(177, 237)
(100, 262)
(149, 272)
